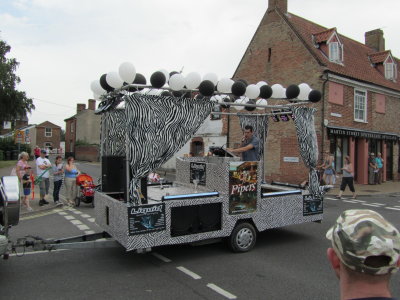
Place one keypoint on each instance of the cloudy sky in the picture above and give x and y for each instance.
(62, 45)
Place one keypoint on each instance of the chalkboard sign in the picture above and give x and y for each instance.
(312, 205)
(198, 171)
(146, 218)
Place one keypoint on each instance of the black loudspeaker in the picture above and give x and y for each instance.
(113, 174)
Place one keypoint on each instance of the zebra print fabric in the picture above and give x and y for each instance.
(157, 127)
(260, 126)
(307, 139)
(113, 131)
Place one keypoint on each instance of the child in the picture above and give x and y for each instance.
(58, 171)
(26, 185)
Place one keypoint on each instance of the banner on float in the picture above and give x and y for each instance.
(242, 187)
(146, 218)
(312, 205)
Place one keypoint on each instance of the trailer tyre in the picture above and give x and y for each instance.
(243, 237)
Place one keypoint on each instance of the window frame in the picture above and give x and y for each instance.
(72, 127)
(357, 90)
(390, 70)
(46, 133)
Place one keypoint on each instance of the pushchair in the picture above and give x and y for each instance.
(86, 189)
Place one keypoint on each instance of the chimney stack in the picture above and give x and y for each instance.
(374, 39)
(92, 104)
(80, 107)
(281, 4)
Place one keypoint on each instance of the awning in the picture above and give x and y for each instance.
(345, 131)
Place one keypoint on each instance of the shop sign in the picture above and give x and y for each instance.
(291, 159)
(362, 134)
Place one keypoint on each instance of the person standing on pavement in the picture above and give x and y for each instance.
(36, 151)
(371, 169)
(347, 178)
(365, 253)
(379, 165)
(26, 185)
(71, 172)
(58, 171)
(43, 166)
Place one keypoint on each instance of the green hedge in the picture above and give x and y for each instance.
(7, 144)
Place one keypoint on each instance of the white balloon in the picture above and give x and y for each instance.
(127, 72)
(192, 80)
(241, 100)
(252, 91)
(177, 82)
(114, 80)
(262, 102)
(261, 83)
(277, 91)
(304, 91)
(225, 85)
(96, 97)
(212, 77)
(96, 88)
(165, 72)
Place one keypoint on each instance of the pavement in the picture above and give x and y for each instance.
(391, 188)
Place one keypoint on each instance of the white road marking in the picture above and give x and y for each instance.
(397, 206)
(370, 204)
(91, 220)
(220, 291)
(83, 227)
(331, 199)
(76, 222)
(85, 216)
(188, 272)
(77, 212)
(69, 217)
(89, 232)
(360, 201)
(62, 213)
(381, 204)
(58, 210)
(393, 208)
(161, 257)
(350, 201)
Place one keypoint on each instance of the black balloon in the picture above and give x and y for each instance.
(226, 100)
(314, 96)
(206, 88)
(140, 79)
(251, 101)
(265, 91)
(158, 79)
(104, 84)
(244, 82)
(238, 88)
(292, 91)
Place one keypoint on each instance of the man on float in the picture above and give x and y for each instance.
(250, 146)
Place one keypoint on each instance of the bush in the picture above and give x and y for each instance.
(7, 144)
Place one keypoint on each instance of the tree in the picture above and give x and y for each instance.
(14, 104)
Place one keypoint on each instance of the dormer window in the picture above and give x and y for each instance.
(390, 68)
(335, 49)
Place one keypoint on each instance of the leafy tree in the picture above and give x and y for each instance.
(14, 104)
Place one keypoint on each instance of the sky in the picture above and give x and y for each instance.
(63, 45)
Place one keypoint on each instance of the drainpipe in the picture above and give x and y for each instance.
(326, 79)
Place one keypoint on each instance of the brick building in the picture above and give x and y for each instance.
(359, 83)
(48, 135)
(82, 133)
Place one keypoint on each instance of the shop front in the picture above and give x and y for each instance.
(358, 144)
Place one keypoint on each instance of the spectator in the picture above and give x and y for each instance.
(36, 151)
(379, 165)
(26, 184)
(364, 254)
(71, 172)
(21, 165)
(58, 172)
(327, 167)
(371, 169)
(348, 178)
(43, 165)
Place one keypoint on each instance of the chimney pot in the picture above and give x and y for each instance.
(80, 107)
(92, 104)
(281, 4)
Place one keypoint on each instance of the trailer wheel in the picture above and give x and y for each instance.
(77, 201)
(243, 237)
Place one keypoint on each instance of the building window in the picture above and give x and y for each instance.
(360, 106)
(48, 145)
(217, 116)
(390, 71)
(48, 132)
(72, 127)
(335, 52)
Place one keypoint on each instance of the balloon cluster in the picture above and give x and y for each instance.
(181, 86)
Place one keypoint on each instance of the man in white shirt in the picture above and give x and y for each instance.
(43, 166)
